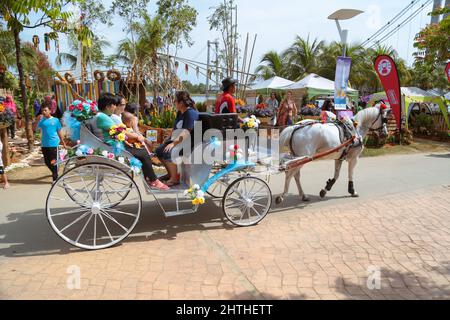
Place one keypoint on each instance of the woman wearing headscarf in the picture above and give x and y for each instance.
(11, 106)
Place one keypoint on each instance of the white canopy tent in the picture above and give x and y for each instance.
(314, 85)
(272, 83)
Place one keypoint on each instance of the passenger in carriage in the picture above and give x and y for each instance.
(121, 104)
(106, 106)
(183, 129)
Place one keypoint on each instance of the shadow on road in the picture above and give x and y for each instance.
(293, 201)
(29, 233)
(397, 285)
(440, 156)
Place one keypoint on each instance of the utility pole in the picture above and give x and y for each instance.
(216, 43)
(207, 72)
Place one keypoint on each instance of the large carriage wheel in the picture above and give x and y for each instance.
(94, 206)
(247, 201)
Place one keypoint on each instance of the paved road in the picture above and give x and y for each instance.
(399, 227)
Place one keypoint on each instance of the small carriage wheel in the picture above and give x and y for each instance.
(72, 163)
(247, 201)
(100, 216)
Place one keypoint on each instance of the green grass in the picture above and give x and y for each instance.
(417, 146)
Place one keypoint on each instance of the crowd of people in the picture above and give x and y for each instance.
(114, 110)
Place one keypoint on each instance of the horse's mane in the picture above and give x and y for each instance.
(367, 115)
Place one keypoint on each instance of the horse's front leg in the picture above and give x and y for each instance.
(331, 182)
(287, 182)
(299, 187)
(351, 167)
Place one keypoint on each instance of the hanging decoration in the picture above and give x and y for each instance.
(176, 65)
(186, 69)
(99, 76)
(113, 75)
(36, 41)
(47, 41)
(69, 78)
(197, 71)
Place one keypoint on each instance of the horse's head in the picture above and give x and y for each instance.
(380, 123)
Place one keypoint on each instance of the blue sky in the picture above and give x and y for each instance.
(277, 23)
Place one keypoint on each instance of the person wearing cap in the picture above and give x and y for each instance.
(227, 103)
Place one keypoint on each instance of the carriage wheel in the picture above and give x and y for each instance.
(94, 206)
(247, 201)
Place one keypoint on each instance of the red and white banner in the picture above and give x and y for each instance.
(447, 71)
(387, 72)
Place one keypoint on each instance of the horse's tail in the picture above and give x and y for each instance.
(286, 136)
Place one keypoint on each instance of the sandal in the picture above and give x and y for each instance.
(159, 185)
(164, 177)
(172, 184)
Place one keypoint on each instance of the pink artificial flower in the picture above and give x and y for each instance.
(78, 142)
(111, 156)
(71, 108)
(90, 151)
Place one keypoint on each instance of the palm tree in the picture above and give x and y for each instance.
(271, 65)
(142, 53)
(302, 58)
(94, 52)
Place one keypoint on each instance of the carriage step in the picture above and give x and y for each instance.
(171, 214)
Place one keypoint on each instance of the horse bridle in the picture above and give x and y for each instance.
(384, 121)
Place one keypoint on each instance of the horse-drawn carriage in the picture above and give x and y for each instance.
(97, 201)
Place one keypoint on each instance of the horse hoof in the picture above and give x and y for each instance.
(323, 193)
(279, 200)
(306, 199)
(355, 195)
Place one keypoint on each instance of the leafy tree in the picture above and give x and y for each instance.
(16, 15)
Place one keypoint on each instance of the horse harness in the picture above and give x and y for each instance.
(347, 132)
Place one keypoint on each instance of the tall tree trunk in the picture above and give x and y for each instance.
(23, 90)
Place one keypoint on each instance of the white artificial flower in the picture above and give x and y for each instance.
(105, 153)
(200, 194)
(121, 160)
(196, 187)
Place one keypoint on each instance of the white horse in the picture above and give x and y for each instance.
(308, 141)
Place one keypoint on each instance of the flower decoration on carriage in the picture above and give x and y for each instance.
(250, 123)
(83, 110)
(196, 195)
(84, 150)
(235, 154)
(261, 106)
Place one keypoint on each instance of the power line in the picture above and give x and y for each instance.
(393, 20)
(402, 24)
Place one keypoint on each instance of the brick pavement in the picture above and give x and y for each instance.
(295, 253)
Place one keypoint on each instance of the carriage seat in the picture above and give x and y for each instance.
(220, 122)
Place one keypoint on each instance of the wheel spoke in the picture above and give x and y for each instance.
(84, 228)
(113, 220)
(107, 230)
(75, 221)
(95, 230)
(86, 189)
(119, 212)
(69, 212)
(256, 212)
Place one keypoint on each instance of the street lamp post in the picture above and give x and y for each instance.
(344, 14)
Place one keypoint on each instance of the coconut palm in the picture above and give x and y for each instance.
(271, 65)
(94, 52)
(302, 58)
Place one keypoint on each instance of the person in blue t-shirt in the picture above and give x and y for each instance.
(51, 138)
(182, 131)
